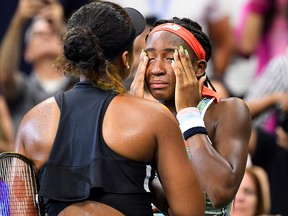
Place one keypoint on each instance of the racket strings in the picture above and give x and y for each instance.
(18, 187)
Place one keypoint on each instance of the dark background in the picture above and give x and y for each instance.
(8, 7)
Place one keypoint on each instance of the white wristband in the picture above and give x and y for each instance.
(190, 122)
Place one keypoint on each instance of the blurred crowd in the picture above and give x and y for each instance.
(250, 61)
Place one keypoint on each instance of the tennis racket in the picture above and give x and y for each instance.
(18, 186)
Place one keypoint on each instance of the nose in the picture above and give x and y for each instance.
(158, 68)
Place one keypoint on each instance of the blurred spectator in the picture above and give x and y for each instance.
(269, 139)
(6, 128)
(270, 151)
(212, 15)
(252, 198)
(268, 93)
(8, 8)
(43, 46)
(239, 73)
(263, 30)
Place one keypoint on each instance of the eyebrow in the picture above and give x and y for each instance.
(166, 49)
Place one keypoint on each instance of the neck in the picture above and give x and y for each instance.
(170, 104)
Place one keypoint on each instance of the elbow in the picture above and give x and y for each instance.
(221, 201)
(221, 198)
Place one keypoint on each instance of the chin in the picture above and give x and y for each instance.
(160, 97)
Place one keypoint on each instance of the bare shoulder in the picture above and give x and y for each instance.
(37, 131)
(138, 124)
(231, 115)
(141, 114)
(40, 112)
(144, 108)
(232, 106)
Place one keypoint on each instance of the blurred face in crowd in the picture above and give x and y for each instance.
(245, 202)
(42, 42)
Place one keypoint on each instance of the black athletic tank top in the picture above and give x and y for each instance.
(80, 162)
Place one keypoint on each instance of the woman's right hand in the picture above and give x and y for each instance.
(188, 89)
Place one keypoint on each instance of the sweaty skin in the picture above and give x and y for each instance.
(172, 77)
(158, 136)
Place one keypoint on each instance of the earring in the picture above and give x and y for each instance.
(127, 67)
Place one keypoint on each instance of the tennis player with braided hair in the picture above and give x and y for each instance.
(173, 67)
(93, 156)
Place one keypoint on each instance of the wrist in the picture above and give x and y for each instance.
(191, 122)
(19, 20)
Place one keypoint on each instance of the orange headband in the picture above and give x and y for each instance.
(185, 35)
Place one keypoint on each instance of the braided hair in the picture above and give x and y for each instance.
(198, 33)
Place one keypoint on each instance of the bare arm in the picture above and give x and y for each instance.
(250, 34)
(177, 174)
(184, 192)
(6, 128)
(36, 132)
(259, 105)
(220, 164)
(282, 137)
(10, 51)
(159, 197)
(222, 39)
(252, 141)
(10, 54)
(220, 167)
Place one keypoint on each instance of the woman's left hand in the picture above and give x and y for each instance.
(188, 89)
(138, 84)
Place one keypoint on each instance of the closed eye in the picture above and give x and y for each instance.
(169, 60)
(151, 60)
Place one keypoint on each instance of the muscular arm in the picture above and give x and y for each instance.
(178, 176)
(221, 165)
(37, 131)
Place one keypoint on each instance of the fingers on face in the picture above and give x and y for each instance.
(178, 68)
(142, 66)
(182, 64)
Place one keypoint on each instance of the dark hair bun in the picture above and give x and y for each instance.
(81, 47)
